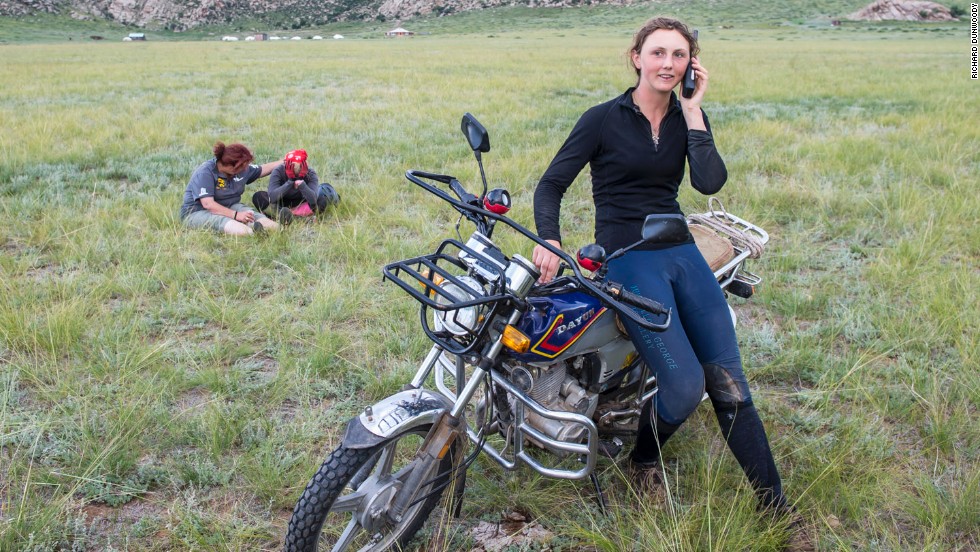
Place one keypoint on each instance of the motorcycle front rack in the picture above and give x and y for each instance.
(585, 447)
(426, 278)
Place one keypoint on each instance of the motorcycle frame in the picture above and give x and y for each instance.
(588, 450)
(433, 367)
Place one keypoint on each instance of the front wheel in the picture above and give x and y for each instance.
(346, 504)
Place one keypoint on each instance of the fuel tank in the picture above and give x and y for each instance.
(564, 325)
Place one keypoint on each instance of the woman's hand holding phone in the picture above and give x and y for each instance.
(690, 77)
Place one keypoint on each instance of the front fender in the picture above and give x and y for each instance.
(393, 415)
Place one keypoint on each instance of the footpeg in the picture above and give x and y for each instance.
(610, 449)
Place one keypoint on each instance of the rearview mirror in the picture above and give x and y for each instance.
(666, 228)
(476, 135)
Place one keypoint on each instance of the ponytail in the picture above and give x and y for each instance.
(235, 155)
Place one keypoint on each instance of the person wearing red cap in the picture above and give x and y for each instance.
(295, 190)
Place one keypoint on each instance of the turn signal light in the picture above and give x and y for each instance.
(514, 340)
(436, 278)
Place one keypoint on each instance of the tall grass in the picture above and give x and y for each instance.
(170, 389)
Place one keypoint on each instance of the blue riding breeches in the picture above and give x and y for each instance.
(698, 351)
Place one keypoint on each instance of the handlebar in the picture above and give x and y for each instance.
(637, 300)
(462, 194)
(480, 216)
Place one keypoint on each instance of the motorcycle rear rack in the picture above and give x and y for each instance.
(586, 449)
(425, 278)
(732, 269)
(747, 277)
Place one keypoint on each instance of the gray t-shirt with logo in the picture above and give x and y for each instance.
(207, 181)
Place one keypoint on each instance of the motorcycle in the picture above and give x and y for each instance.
(542, 376)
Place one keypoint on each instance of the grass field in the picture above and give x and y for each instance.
(163, 389)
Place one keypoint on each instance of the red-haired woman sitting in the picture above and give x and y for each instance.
(213, 195)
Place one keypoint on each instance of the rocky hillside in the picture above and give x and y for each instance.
(185, 14)
(903, 10)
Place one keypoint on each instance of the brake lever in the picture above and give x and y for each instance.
(462, 194)
(558, 282)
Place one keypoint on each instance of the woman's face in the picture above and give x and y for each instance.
(662, 59)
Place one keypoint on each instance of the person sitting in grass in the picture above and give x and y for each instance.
(213, 195)
(294, 190)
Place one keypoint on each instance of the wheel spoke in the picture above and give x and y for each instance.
(347, 537)
(386, 460)
(348, 503)
(364, 473)
(401, 474)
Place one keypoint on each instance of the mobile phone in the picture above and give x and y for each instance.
(687, 89)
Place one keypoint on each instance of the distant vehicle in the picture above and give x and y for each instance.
(296, 38)
(317, 37)
(338, 36)
(127, 39)
(136, 36)
(249, 39)
(229, 38)
(275, 38)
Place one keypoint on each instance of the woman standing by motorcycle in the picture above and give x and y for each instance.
(637, 145)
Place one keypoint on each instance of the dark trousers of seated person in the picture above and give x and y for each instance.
(262, 203)
(326, 196)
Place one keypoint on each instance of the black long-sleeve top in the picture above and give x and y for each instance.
(631, 175)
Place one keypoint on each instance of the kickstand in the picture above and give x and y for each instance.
(599, 495)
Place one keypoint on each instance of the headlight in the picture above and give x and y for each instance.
(458, 321)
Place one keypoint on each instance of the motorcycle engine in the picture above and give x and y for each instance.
(555, 389)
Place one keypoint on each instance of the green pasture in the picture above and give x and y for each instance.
(168, 389)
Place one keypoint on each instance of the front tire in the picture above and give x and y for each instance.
(345, 505)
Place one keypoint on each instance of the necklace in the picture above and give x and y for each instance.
(653, 130)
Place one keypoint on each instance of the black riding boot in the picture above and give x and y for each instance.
(651, 435)
(746, 437)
